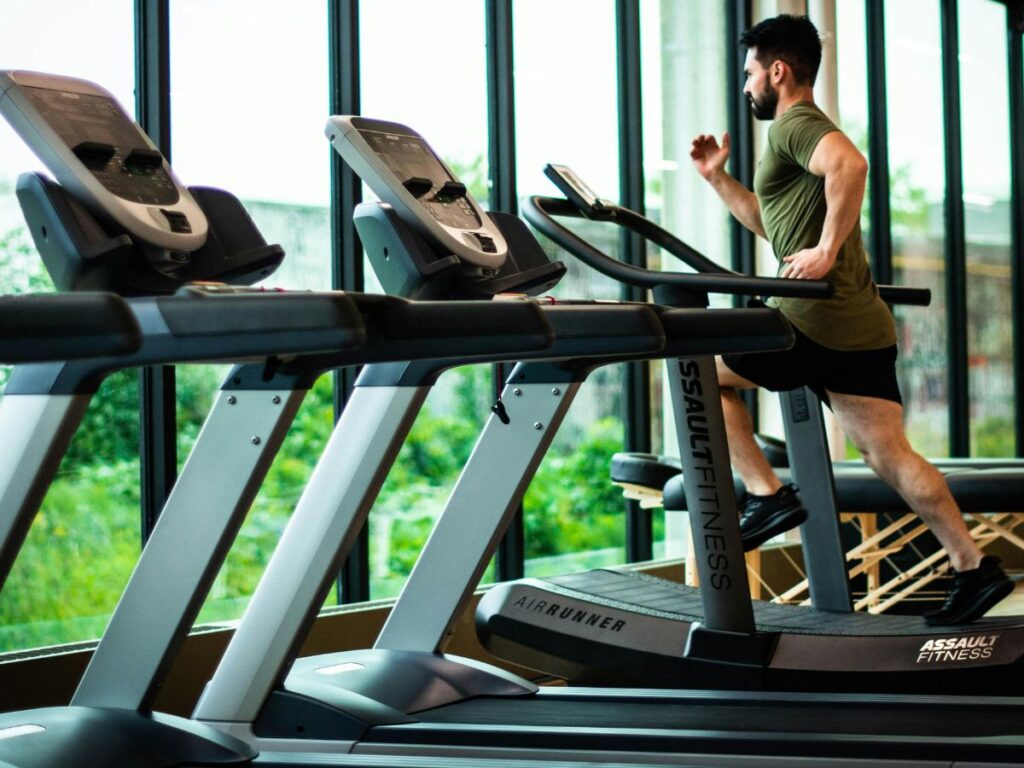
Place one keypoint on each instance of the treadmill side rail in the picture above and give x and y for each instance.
(499, 470)
(206, 507)
(347, 478)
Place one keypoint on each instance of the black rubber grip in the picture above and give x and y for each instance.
(691, 332)
(398, 328)
(259, 313)
(63, 326)
(602, 330)
(899, 294)
(403, 318)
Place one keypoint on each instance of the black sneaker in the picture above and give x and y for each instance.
(972, 594)
(765, 516)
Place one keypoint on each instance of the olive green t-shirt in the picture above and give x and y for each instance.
(793, 206)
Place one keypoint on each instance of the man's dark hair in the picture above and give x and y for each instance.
(793, 39)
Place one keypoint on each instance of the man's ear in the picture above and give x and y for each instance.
(777, 71)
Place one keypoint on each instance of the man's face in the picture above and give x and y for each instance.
(764, 98)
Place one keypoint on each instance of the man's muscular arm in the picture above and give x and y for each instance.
(709, 159)
(845, 171)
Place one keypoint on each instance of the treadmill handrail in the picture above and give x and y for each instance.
(658, 235)
(70, 326)
(540, 212)
(661, 237)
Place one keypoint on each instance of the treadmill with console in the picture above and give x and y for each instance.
(548, 624)
(112, 221)
(405, 697)
(433, 255)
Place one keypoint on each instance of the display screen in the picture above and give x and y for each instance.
(410, 157)
(84, 119)
(567, 180)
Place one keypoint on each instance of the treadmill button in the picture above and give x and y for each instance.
(177, 221)
(485, 243)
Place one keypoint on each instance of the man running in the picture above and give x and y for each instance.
(808, 192)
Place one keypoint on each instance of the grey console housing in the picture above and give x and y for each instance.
(404, 172)
(95, 150)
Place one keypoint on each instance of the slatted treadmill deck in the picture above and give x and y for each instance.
(627, 590)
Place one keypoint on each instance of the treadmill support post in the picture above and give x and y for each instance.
(811, 470)
(217, 485)
(711, 497)
(322, 530)
(489, 490)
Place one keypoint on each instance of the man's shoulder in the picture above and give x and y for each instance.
(795, 133)
(800, 113)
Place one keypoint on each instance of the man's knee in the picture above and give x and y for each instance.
(882, 463)
(883, 448)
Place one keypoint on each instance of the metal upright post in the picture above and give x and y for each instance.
(956, 242)
(346, 251)
(880, 235)
(1015, 56)
(811, 467)
(739, 17)
(637, 376)
(501, 165)
(158, 424)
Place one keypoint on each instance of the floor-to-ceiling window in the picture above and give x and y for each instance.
(917, 196)
(985, 126)
(685, 93)
(85, 540)
(249, 104)
(248, 101)
(565, 94)
(447, 104)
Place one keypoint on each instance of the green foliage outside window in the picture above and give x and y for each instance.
(572, 506)
(76, 560)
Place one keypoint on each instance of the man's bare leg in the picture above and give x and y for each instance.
(769, 508)
(875, 426)
(744, 453)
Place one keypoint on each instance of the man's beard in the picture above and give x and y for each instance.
(765, 105)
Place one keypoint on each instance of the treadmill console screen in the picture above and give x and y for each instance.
(108, 143)
(574, 188)
(404, 171)
(412, 160)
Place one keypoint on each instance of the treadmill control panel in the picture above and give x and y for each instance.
(92, 147)
(401, 168)
(575, 189)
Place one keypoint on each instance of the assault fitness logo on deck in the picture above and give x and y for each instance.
(946, 649)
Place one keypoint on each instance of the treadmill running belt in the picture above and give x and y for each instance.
(678, 602)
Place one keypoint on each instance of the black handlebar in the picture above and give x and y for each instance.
(711, 277)
(898, 294)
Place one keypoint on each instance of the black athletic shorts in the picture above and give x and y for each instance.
(871, 373)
